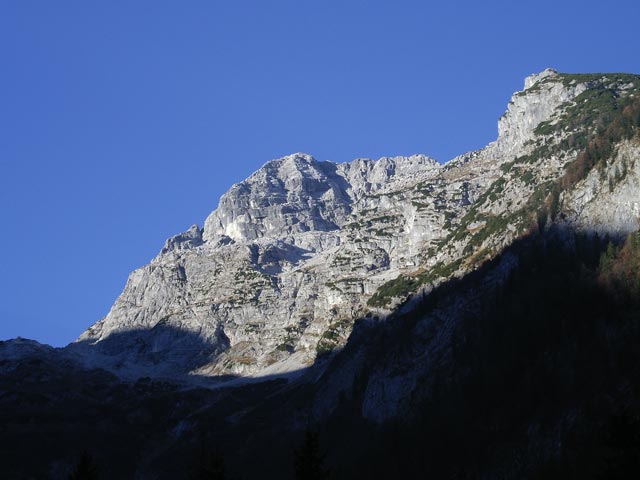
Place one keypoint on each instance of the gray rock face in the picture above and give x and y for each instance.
(293, 253)
(608, 201)
(281, 262)
(288, 196)
(527, 109)
(184, 241)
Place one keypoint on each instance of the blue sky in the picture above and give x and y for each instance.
(122, 122)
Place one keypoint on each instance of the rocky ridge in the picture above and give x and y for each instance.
(301, 248)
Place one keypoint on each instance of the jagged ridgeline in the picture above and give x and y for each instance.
(298, 251)
(583, 134)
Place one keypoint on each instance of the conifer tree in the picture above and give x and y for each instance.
(308, 462)
(622, 448)
(210, 466)
(85, 468)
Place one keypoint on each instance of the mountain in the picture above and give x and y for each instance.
(297, 251)
(472, 319)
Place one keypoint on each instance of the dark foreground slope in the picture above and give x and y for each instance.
(542, 382)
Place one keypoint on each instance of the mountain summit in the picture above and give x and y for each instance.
(301, 248)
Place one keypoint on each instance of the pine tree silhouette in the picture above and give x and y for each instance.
(308, 462)
(85, 468)
(622, 448)
(210, 466)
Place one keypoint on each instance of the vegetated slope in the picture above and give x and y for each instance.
(594, 132)
(538, 378)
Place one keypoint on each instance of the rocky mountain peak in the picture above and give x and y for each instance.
(298, 193)
(532, 79)
(183, 241)
(543, 93)
(298, 250)
(290, 195)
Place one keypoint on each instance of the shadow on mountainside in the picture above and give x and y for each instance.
(524, 368)
(520, 369)
(163, 351)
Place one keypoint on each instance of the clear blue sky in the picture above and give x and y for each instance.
(122, 122)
